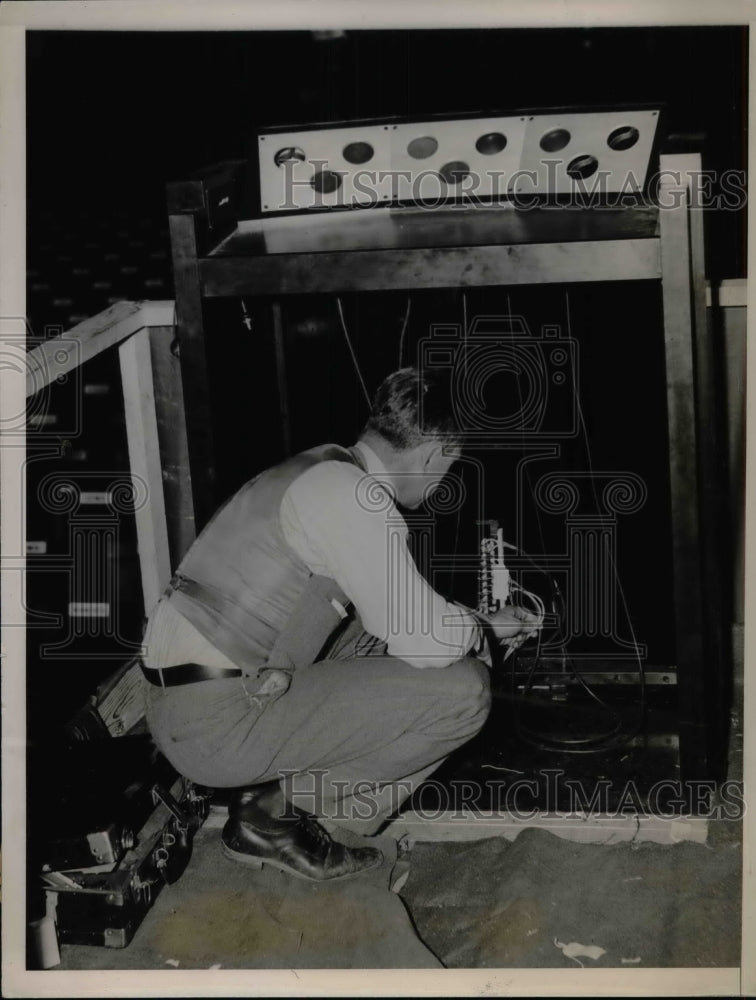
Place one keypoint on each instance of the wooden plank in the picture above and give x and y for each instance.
(713, 479)
(597, 829)
(683, 457)
(174, 448)
(120, 703)
(728, 293)
(89, 338)
(81, 343)
(158, 312)
(191, 336)
(283, 390)
(212, 198)
(144, 462)
(467, 827)
(415, 228)
(463, 267)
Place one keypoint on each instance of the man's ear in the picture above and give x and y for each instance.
(433, 451)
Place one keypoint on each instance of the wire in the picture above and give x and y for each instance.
(404, 330)
(465, 358)
(581, 418)
(354, 356)
(535, 600)
(579, 745)
(615, 737)
(523, 442)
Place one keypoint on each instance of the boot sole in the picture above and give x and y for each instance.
(250, 861)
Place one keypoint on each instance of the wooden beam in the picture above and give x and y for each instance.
(713, 481)
(158, 312)
(729, 293)
(467, 827)
(193, 359)
(683, 467)
(283, 389)
(408, 228)
(450, 267)
(81, 343)
(89, 338)
(579, 829)
(144, 462)
(174, 448)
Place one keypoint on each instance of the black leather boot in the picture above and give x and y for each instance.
(296, 844)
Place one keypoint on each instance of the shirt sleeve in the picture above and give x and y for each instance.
(342, 523)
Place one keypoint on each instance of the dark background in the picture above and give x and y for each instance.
(113, 116)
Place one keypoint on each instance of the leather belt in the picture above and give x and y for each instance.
(186, 673)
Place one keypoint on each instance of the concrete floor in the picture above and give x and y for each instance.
(488, 903)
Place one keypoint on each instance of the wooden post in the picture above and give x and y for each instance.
(712, 452)
(144, 460)
(174, 448)
(283, 389)
(683, 469)
(191, 337)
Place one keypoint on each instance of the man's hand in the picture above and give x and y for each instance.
(513, 625)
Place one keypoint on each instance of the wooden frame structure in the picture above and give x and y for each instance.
(143, 334)
(216, 253)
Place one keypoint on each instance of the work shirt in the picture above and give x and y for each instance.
(344, 524)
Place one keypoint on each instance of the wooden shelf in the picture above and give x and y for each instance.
(385, 249)
(413, 228)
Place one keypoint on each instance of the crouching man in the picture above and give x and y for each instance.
(298, 657)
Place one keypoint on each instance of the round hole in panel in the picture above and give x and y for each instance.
(289, 154)
(555, 139)
(326, 181)
(454, 172)
(582, 166)
(422, 147)
(624, 137)
(490, 143)
(358, 152)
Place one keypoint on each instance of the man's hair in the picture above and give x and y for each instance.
(411, 406)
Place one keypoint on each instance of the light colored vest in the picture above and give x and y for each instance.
(245, 589)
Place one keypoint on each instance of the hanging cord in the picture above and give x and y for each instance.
(618, 581)
(464, 332)
(615, 571)
(528, 477)
(404, 330)
(354, 356)
(615, 737)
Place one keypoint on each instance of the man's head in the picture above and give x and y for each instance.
(413, 431)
